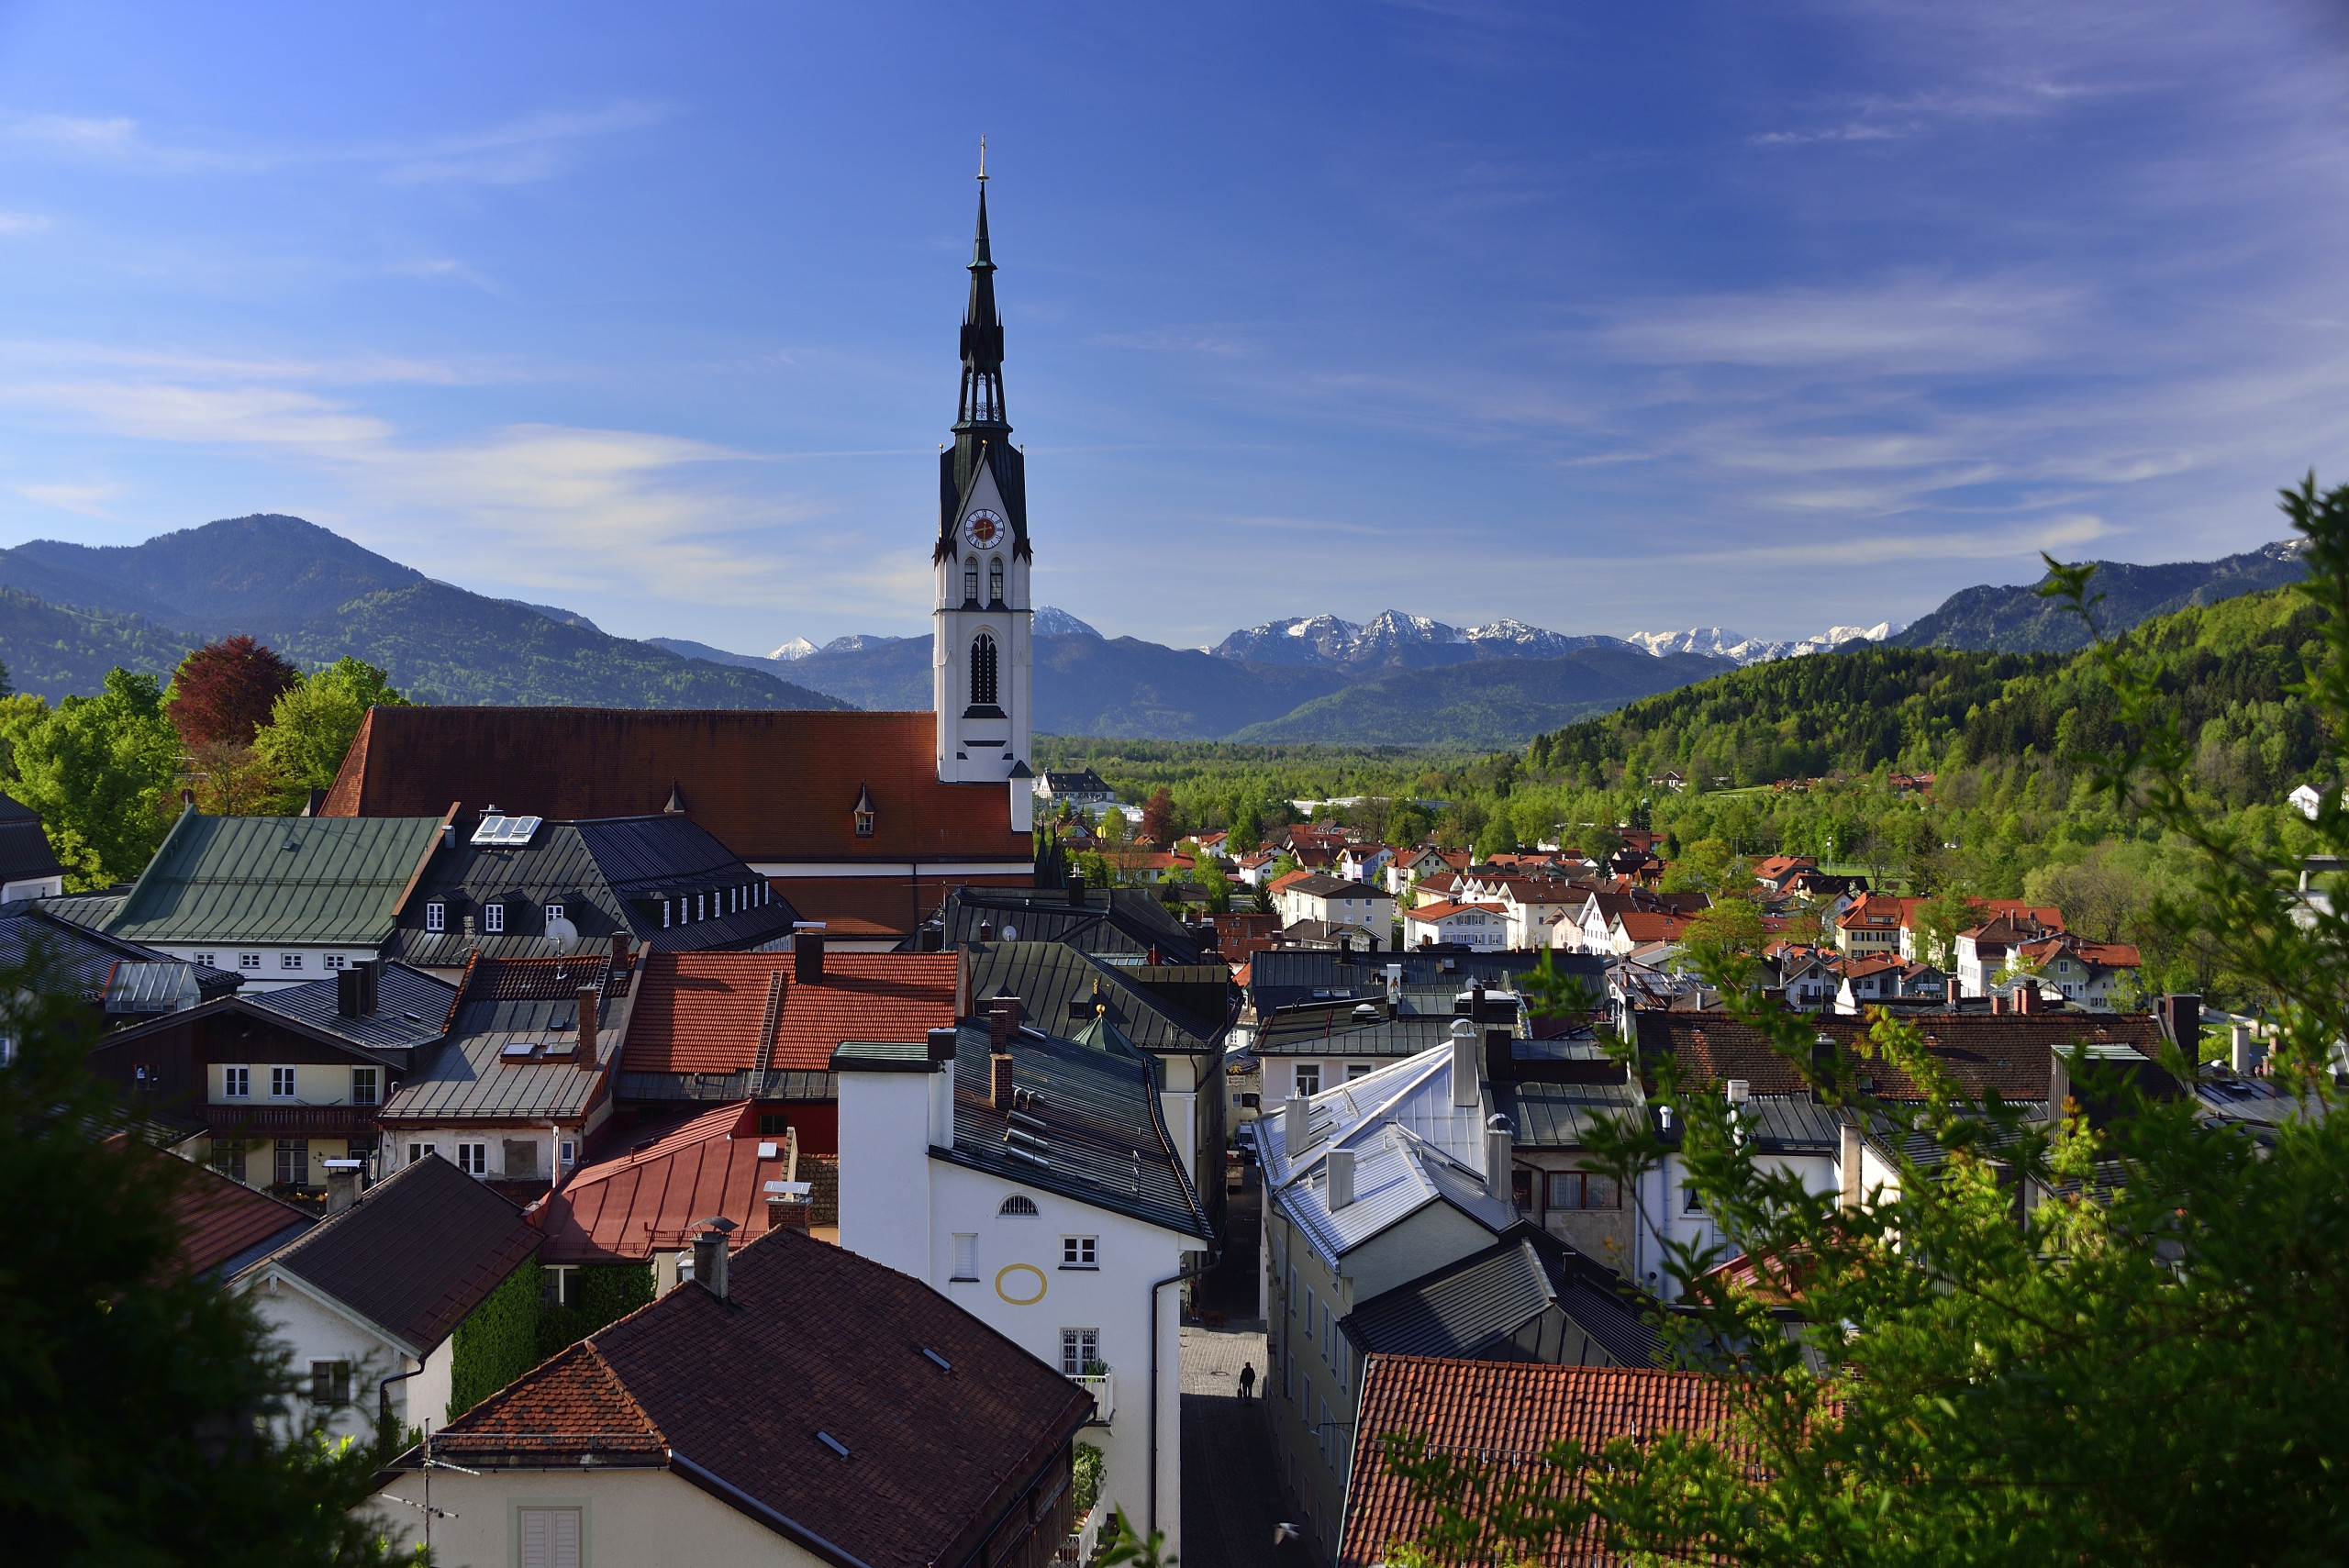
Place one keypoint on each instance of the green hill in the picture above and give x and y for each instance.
(2017, 620)
(54, 651)
(1490, 703)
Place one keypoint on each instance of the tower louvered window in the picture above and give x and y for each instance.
(982, 671)
(971, 579)
(994, 581)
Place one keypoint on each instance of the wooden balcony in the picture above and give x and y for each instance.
(262, 1119)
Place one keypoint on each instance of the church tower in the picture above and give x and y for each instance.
(982, 641)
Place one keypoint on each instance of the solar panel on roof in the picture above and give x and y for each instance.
(518, 1048)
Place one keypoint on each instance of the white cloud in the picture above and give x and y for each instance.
(15, 223)
(86, 499)
(1908, 324)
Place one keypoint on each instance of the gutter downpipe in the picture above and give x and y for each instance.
(383, 1396)
(1177, 1277)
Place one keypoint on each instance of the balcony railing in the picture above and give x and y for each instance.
(1103, 1387)
(325, 1121)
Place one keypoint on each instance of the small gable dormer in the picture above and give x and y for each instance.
(864, 811)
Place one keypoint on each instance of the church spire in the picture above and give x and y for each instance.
(982, 403)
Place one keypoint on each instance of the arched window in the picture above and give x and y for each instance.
(971, 579)
(1016, 1204)
(994, 581)
(982, 671)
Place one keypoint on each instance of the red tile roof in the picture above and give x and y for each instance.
(219, 1219)
(1647, 926)
(1507, 1411)
(810, 1339)
(701, 1012)
(770, 785)
(1432, 912)
(647, 1199)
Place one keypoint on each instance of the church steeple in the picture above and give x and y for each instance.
(982, 403)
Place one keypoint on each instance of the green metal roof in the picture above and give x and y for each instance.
(312, 880)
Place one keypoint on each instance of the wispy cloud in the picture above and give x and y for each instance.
(89, 500)
(14, 224)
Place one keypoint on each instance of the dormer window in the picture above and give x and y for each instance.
(493, 916)
(863, 812)
(555, 913)
(994, 581)
(971, 580)
(436, 915)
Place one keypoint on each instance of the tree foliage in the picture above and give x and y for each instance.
(2050, 1337)
(313, 723)
(101, 771)
(224, 691)
(132, 1393)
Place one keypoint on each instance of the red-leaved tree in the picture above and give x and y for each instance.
(223, 691)
(1158, 818)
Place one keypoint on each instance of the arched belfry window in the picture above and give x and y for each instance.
(994, 581)
(982, 671)
(971, 579)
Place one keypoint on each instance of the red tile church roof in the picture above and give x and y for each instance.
(701, 1012)
(770, 785)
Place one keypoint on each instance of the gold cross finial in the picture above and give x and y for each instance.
(982, 158)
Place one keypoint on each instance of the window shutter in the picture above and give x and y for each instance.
(550, 1538)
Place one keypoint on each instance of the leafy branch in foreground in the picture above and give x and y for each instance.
(2041, 1337)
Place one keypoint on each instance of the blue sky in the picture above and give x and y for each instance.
(1605, 318)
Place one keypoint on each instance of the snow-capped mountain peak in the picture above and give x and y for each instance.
(798, 648)
(1718, 642)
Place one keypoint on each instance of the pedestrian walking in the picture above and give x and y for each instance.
(1247, 1380)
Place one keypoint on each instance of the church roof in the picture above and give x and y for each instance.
(770, 786)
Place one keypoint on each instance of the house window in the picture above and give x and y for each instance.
(472, 1158)
(864, 824)
(292, 1162)
(555, 913)
(1309, 1312)
(248, 961)
(329, 1383)
(1017, 1203)
(493, 916)
(1308, 1077)
(236, 1083)
(966, 1255)
(568, 1153)
(1689, 1202)
(1080, 1252)
(205, 959)
(1358, 1070)
(436, 915)
(281, 1082)
(417, 1152)
(289, 961)
(550, 1537)
(1080, 1352)
(228, 1159)
(982, 671)
(558, 1284)
(971, 580)
(363, 1086)
(774, 1124)
(994, 581)
(1583, 1189)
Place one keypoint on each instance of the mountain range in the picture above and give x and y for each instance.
(69, 613)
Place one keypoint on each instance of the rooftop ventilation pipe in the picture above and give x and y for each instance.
(1499, 1156)
(1464, 1063)
(1295, 1112)
(1340, 1189)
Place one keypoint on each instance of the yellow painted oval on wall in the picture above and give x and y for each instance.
(1014, 1279)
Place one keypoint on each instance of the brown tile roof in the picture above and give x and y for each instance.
(2009, 1052)
(416, 1253)
(701, 1012)
(1645, 926)
(1504, 1411)
(221, 1220)
(647, 1199)
(810, 1339)
(1445, 911)
(770, 785)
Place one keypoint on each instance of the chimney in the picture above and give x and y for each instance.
(346, 994)
(1339, 1165)
(371, 976)
(1076, 882)
(1003, 1028)
(1949, 993)
(2059, 1085)
(2024, 994)
(1740, 1091)
(342, 1190)
(709, 1261)
(986, 930)
(1476, 1001)
(2181, 1016)
(318, 800)
(941, 1045)
(1500, 1157)
(1152, 959)
(1500, 1056)
(807, 952)
(1295, 1123)
(587, 1024)
(1848, 1157)
(2245, 1052)
(1996, 1003)
(620, 952)
(1464, 1063)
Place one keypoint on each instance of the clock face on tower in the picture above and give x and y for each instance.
(983, 528)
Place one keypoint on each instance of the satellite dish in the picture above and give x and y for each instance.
(563, 934)
(1011, 933)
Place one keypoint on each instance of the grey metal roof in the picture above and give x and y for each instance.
(1056, 986)
(1089, 1129)
(1123, 921)
(777, 1083)
(145, 987)
(86, 956)
(411, 1008)
(1560, 1116)
(24, 846)
(2260, 1106)
(531, 1011)
(1331, 1032)
(314, 880)
(1471, 1306)
(1278, 978)
(599, 871)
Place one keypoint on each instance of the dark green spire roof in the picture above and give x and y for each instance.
(982, 403)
